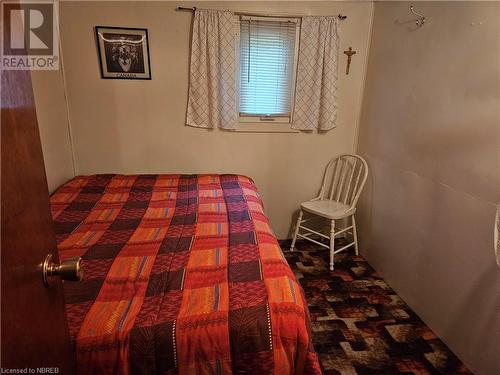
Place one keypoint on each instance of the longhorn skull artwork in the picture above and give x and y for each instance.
(123, 52)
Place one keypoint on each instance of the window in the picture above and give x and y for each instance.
(268, 55)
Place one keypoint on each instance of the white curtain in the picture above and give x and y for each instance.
(316, 92)
(212, 100)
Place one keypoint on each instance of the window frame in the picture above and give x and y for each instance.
(278, 123)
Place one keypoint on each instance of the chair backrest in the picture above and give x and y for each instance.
(344, 179)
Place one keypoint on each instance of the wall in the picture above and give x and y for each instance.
(126, 126)
(430, 130)
(53, 125)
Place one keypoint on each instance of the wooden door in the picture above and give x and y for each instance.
(34, 331)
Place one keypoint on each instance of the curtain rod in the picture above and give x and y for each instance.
(193, 9)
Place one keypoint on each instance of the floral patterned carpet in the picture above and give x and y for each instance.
(360, 325)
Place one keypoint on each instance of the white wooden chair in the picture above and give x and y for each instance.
(344, 179)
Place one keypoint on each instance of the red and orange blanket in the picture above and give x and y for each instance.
(182, 275)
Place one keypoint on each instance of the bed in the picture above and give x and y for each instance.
(182, 274)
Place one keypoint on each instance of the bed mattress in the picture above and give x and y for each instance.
(182, 274)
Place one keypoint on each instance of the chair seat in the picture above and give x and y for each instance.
(327, 208)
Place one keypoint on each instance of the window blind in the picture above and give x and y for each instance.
(267, 57)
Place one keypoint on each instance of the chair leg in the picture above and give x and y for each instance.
(299, 221)
(355, 235)
(332, 244)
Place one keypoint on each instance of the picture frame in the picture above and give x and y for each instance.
(123, 52)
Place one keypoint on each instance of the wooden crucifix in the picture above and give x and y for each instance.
(349, 54)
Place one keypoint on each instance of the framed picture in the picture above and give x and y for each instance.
(123, 52)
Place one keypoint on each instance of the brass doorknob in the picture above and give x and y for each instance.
(69, 270)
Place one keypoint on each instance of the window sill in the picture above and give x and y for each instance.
(253, 127)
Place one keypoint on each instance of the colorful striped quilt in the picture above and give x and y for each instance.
(181, 275)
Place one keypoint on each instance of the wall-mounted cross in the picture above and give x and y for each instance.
(349, 54)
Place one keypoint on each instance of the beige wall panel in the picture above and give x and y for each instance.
(53, 124)
(430, 130)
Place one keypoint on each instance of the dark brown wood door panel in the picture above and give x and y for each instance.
(34, 331)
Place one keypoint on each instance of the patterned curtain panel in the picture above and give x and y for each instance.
(212, 98)
(316, 92)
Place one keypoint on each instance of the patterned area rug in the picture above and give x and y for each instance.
(360, 325)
